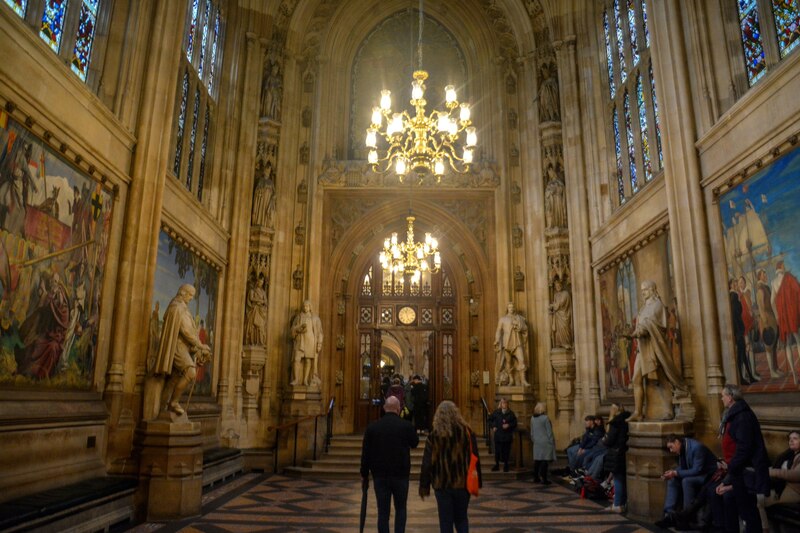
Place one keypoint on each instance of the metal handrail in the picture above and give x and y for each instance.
(486, 431)
(296, 424)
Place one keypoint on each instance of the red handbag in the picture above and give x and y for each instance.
(473, 483)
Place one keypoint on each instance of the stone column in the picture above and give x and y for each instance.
(238, 257)
(694, 281)
(139, 246)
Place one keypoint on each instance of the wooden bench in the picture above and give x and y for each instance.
(220, 464)
(784, 517)
(87, 506)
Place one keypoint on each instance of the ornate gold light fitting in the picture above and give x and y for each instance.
(422, 143)
(410, 257)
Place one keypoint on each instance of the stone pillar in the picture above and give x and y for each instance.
(563, 363)
(138, 251)
(647, 459)
(170, 454)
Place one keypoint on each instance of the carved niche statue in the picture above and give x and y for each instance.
(263, 196)
(255, 313)
(306, 331)
(304, 154)
(272, 91)
(549, 105)
(555, 204)
(297, 278)
(516, 236)
(516, 192)
(519, 280)
(511, 344)
(561, 316)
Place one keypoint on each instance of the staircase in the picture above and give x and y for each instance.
(343, 461)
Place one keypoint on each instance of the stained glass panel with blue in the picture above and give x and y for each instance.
(655, 114)
(632, 31)
(787, 24)
(52, 28)
(191, 30)
(202, 174)
(19, 6)
(84, 39)
(617, 147)
(193, 138)
(623, 68)
(609, 57)
(212, 67)
(643, 3)
(181, 124)
(629, 137)
(204, 41)
(754, 59)
(648, 168)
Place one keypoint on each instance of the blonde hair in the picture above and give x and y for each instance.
(539, 409)
(447, 417)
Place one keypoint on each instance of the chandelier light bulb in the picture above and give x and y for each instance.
(438, 168)
(428, 238)
(397, 122)
(437, 260)
(420, 253)
(415, 277)
(394, 241)
(377, 117)
(400, 166)
(453, 128)
(372, 140)
(450, 94)
(382, 257)
(443, 124)
(423, 265)
(464, 113)
(386, 99)
(372, 157)
(434, 244)
(472, 136)
(467, 155)
(387, 245)
(417, 90)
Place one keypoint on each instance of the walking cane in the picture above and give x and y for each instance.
(363, 518)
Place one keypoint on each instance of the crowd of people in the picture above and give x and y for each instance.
(703, 492)
(413, 398)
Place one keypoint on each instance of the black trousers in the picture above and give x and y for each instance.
(502, 450)
(540, 470)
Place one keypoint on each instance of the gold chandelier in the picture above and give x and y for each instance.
(410, 257)
(421, 143)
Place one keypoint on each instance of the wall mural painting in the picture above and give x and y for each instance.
(176, 265)
(620, 300)
(762, 253)
(54, 227)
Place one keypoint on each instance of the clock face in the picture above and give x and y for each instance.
(407, 315)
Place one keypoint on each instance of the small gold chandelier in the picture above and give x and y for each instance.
(421, 143)
(410, 257)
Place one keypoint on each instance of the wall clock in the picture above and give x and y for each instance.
(407, 315)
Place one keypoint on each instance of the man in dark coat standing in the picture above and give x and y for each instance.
(386, 452)
(504, 423)
(748, 470)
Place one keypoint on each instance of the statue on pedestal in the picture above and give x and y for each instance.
(306, 331)
(561, 313)
(510, 343)
(654, 368)
(255, 312)
(181, 351)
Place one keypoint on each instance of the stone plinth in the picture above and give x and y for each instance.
(170, 468)
(647, 459)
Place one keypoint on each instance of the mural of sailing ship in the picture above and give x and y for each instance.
(176, 265)
(54, 227)
(762, 252)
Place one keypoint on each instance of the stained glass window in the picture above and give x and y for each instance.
(204, 41)
(19, 6)
(191, 30)
(212, 65)
(617, 147)
(644, 24)
(632, 33)
(648, 168)
(52, 28)
(787, 24)
(754, 59)
(609, 57)
(623, 69)
(83, 42)
(193, 138)
(201, 176)
(655, 114)
(629, 138)
(181, 123)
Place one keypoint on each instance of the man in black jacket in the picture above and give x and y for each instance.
(386, 452)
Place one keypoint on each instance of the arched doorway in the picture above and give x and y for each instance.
(407, 327)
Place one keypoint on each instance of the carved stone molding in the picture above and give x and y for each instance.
(356, 174)
(633, 248)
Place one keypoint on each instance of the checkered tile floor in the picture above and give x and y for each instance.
(273, 503)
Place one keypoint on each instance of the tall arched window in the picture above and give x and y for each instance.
(197, 91)
(632, 104)
(769, 31)
(68, 27)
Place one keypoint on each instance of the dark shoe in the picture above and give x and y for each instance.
(495, 468)
(667, 522)
(505, 468)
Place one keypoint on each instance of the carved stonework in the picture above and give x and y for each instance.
(272, 84)
(549, 101)
(300, 234)
(297, 278)
(516, 236)
(519, 280)
(512, 119)
(563, 362)
(306, 117)
(302, 192)
(358, 174)
(304, 153)
(516, 193)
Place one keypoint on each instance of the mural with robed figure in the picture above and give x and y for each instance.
(176, 265)
(762, 253)
(54, 229)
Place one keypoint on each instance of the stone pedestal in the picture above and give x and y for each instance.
(170, 468)
(647, 459)
(563, 363)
